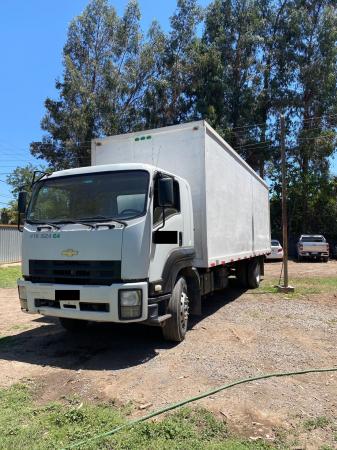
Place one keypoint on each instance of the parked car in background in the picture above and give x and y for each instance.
(276, 250)
(312, 246)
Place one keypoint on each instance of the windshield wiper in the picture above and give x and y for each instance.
(47, 225)
(75, 222)
(108, 219)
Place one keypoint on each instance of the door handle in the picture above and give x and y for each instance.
(180, 238)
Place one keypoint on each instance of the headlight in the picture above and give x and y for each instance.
(22, 292)
(130, 304)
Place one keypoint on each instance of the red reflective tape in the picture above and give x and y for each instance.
(212, 264)
(223, 262)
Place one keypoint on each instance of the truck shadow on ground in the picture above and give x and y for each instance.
(101, 346)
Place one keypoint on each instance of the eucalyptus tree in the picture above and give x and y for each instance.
(169, 96)
(228, 71)
(107, 62)
(307, 67)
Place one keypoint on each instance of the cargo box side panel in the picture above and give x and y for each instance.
(229, 205)
(177, 149)
(261, 216)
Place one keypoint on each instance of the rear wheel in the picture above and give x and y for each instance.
(175, 328)
(241, 274)
(253, 274)
(325, 259)
(73, 325)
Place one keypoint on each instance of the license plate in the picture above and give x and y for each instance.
(314, 253)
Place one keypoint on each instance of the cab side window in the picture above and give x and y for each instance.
(158, 210)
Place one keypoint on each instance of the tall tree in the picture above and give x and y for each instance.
(169, 97)
(316, 99)
(106, 64)
(309, 31)
(228, 79)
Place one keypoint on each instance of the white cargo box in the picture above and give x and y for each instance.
(230, 201)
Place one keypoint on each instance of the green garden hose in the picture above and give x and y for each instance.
(193, 399)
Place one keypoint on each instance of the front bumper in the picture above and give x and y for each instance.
(90, 297)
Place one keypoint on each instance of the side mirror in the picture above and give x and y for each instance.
(165, 192)
(22, 202)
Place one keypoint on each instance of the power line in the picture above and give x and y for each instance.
(263, 124)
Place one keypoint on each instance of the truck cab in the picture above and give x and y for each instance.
(107, 243)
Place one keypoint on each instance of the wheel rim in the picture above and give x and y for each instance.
(257, 275)
(183, 311)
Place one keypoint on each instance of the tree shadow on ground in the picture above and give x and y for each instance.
(101, 346)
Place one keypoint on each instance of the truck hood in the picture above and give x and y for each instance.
(129, 247)
(73, 242)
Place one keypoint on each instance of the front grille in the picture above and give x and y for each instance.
(40, 302)
(74, 272)
(96, 307)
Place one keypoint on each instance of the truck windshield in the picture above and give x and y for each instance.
(89, 197)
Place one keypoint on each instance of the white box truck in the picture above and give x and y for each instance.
(160, 219)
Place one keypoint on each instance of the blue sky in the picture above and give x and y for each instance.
(32, 35)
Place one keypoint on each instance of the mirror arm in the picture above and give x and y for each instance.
(34, 180)
(163, 224)
(19, 223)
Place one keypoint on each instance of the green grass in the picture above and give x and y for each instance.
(23, 424)
(303, 286)
(317, 422)
(9, 275)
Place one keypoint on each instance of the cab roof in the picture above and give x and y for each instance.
(108, 168)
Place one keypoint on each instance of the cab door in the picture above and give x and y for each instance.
(167, 232)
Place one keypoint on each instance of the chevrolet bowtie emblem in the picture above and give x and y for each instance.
(69, 252)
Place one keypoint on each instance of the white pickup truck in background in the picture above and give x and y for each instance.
(312, 246)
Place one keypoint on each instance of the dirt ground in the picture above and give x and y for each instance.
(240, 334)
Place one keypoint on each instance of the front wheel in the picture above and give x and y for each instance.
(175, 328)
(73, 325)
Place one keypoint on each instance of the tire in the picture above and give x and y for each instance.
(299, 258)
(325, 259)
(73, 325)
(253, 274)
(241, 274)
(174, 329)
